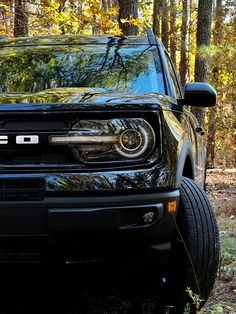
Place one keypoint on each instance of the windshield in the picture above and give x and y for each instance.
(125, 69)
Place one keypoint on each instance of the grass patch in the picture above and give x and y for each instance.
(228, 245)
(219, 308)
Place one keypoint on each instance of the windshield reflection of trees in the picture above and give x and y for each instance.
(115, 67)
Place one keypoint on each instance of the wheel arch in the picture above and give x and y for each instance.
(185, 163)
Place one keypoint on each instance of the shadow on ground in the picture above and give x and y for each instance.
(68, 289)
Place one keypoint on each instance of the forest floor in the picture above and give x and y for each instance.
(68, 290)
(221, 188)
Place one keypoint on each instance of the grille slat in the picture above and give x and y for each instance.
(22, 189)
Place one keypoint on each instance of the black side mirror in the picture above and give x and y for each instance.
(199, 95)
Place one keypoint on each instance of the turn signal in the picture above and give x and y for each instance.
(172, 206)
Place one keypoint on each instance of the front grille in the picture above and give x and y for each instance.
(13, 155)
(22, 189)
(36, 156)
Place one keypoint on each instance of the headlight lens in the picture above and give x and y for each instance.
(99, 141)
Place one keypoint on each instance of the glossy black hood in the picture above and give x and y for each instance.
(78, 99)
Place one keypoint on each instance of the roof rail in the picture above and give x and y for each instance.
(151, 37)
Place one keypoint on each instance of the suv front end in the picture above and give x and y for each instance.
(86, 181)
(85, 167)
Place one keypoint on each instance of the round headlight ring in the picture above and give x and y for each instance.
(128, 143)
(144, 143)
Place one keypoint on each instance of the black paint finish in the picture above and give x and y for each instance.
(55, 111)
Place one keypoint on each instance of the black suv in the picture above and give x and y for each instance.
(101, 159)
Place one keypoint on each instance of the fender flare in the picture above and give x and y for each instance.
(186, 151)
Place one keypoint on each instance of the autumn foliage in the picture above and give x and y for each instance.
(176, 22)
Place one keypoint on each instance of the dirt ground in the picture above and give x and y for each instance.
(221, 188)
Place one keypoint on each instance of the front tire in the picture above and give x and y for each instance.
(195, 248)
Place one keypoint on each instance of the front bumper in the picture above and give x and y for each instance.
(88, 223)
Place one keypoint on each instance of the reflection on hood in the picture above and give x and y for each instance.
(77, 95)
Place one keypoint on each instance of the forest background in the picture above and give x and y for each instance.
(201, 39)
(199, 35)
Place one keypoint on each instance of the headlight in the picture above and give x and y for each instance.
(109, 140)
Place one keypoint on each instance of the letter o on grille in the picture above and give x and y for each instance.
(27, 139)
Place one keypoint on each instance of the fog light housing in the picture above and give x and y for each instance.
(149, 217)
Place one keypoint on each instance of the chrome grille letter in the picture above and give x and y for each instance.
(27, 139)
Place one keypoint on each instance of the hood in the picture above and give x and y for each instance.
(82, 98)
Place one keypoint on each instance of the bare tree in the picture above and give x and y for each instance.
(156, 17)
(165, 25)
(128, 9)
(212, 114)
(183, 68)
(20, 19)
(203, 40)
(173, 31)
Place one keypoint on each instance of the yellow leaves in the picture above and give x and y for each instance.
(113, 12)
(137, 22)
(93, 8)
(3, 6)
(54, 5)
(54, 19)
(76, 17)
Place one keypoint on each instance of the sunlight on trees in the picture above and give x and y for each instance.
(177, 25)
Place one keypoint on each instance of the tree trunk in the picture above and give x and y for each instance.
(156, 17)
(219, 22)
(183, 69)
(173, 31)
(20, 19)
(212, 114)
(203, 40)
(128, 9)
(189, 33)
(164, 24)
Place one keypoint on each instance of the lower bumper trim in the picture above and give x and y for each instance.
(102, 219)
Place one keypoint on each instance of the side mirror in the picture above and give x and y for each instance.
(199, 95)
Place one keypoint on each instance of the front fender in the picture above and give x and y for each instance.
(185, 151)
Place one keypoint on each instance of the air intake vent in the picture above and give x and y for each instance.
(22, 190)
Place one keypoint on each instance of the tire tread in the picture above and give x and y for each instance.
(197, 220)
